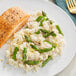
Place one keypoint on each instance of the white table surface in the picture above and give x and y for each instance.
(70, 70)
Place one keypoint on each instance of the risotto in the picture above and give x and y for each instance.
(38, 42)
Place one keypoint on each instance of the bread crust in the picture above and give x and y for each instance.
(10, 22)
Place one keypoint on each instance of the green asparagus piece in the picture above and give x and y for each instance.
(50, 22)
(43, 13)
(46, 61)
(53, 45)
(45, 50)
(27, 39)
(43, 19)
(34, 47)
(38, 32)
(30, 62)
(24, 54)
(47, 18)
(48, 34)
(41, 50)
(44, 31)
(40, 23)
(59, 30)
(39, 18)
(14, 53)
(52, 33)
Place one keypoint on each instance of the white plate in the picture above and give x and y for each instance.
(67, 26)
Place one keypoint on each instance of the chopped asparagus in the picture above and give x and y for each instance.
(27, 39)
(39, 18)
(53, 34)
(48, 34)
(53, 45)
(24, 54)
(14, 53)
(44, 31)
(38, 32)
(30, 62)
(50, 22)
(43, 13)
(34, 46)
(45, 50)
(43, 19)
(46, 61)
(59, 30)
(41, 50)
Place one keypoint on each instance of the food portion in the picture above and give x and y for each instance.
(10, 22)
(38, 42)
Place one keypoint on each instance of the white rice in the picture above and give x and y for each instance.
(18, 40)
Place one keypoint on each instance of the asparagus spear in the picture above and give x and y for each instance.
(41, 50)
(27, 39)
(46, 61)
(48, 34)
(38, 32)
(14, 53)
(50, 22)
(43, 19)
(34, 46)
(24, 54)
(59, 30)
(52, 33)
(44, 31)
(39, 18)
(30, 62)
(53, 45)
(43, 13)
(45, 50)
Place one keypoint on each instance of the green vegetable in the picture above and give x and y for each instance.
(34, 46)
(44, 31)
(52, 33)
(41, 50)
(43, 19)
(40, 24)
(39, 18)
(30, 62)
(59, 30)
(38, 32)
(47, 18)
(24, 54)
(46, 61)
(53, 45)
(48, 34)
(50, 22)
(43, 13)
(14, 53)
(45, 50)
(27, 39)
